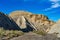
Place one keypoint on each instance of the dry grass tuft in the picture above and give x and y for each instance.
(40, 32)
(10, 33)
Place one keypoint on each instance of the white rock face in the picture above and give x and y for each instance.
(55, 29)
(21, 22)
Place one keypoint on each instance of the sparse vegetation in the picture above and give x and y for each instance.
(10, 33)
(40, 32)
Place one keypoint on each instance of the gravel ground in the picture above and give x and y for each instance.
(33, 36)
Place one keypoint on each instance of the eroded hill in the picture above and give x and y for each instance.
(38, 21)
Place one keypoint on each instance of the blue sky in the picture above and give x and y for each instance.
(50, 8)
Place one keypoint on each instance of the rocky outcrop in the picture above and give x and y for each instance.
(21, 22)
(7, 23)
(38, 21)
(55, 29)
(24, 24)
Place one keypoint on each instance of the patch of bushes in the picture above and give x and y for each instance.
(40, 32)
(10, 33)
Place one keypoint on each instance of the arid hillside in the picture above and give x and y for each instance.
(39, 21)
(21, 25)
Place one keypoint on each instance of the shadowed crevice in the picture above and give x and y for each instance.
(28, 28)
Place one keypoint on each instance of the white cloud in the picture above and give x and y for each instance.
(54, 0)
(55, 4)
